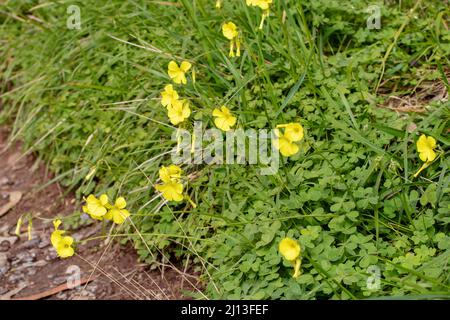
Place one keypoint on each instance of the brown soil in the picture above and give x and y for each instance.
(30, 269)
(416, 99)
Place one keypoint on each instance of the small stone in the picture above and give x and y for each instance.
(4, 263)
(30, 244)
(44, 243)
(16, 278)
(6, 243)
(4, 181)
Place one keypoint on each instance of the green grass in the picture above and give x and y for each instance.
(87, 102)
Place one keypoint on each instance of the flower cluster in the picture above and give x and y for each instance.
(101, 209)
(177, 110)
(171, 188)
(285, 142)
(290, 250)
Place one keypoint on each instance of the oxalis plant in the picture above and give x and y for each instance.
(358, 206)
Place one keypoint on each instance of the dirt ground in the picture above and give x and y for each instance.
(30, 269)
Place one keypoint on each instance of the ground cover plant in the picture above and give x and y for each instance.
(359, 206)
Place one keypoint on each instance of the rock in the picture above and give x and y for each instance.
(23, 257)
(4, 264)
(14, 198)
(29, 244)
(16, 278)
(5, 181)
(60, 280)
(7, 242)
(44, 243)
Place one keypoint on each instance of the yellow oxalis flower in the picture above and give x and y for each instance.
(62, 244)
(263, 4)
(178, 73)
(425, 147)
(285, 145)
(218, 4)
(168, 96)
(290, 250)
(96, 208)
(293, 131)
(57, 234)
(64, 247)
(171, 173)
(230, 31)
(117, 212)
(224, 119)
(178, 111)
(171, 191)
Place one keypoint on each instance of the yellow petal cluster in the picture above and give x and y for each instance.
(179, 111)
(230, 31)
(171, 188)
(117, 212)
(224, 119)
(168, 96)
(290, 250)
(285, 142)
(178, 73)
(101, 209)
(425, 147)
(264, 5)
(61, 243)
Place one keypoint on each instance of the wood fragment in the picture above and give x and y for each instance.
(55, 290)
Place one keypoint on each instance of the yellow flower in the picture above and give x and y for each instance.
(264, 5)
(178, 73)
(62, 244)
(230, 31)
(179, 111)
(64, 247)
(285, 145)
(290, 250)
(170, 174)
(171, 191)
(96, 208)
(293, 131)
(218, 4)
(168, 96)
(224, 119)
(117, 212)
(425, 147)
(56, 234)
